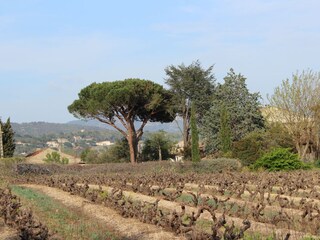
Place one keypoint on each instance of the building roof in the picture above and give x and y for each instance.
(38, 156)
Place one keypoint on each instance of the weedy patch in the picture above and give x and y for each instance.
(66, 222)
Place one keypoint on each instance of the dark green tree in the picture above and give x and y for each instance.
(125, 103)
(243, 108)
(157, 146)
(8, 139)
(225, 130)
(195, 152)
(190, 83)
(118, 152)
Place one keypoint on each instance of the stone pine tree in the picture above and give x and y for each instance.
(8, 141)
(225, 131)
(195, 152)
(126, 105)
(194, 84)
(243, 108)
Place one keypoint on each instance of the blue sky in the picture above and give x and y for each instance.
(51, 49)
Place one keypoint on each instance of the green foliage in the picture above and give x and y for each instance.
(127, 101)
(250, 148)
(55, 157)
(225, 131)
(298, 105)
(8, 139)
(317, 163)
(157, 146)
(256, 143)
(243, 109)
(195, 152)
(280, 159)
(193, 84)
(118, 152)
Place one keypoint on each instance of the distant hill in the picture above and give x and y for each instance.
(38, 129)
(77, 135)
(150, 127)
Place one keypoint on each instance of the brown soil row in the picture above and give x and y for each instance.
(6, 232)
(296, 200)
(256, 227)
(239, 202)
(127, 228)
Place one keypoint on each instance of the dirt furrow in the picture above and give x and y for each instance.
(125, 227)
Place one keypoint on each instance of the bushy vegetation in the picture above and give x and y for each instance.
(256, 143)
(116, 153)
(55, 157)
(157, 146)
(280, 159)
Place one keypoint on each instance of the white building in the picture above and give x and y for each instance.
(104, 143)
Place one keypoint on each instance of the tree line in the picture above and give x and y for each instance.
(226, 116)
(193, 94)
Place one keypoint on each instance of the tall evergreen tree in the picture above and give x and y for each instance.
(195, 153)
(243, 108)
(8, 139)
(190, 84)
(225, 130)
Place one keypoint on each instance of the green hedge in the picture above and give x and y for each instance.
(280, 159)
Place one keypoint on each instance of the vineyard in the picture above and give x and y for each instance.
(225, 205)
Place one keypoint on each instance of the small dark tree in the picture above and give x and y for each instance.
(195, 153)
(157, 146)
(129, 101)
(8, 139)
(225, 131)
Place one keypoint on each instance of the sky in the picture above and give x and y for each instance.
(51, 49)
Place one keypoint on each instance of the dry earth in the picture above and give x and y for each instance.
(7, 233)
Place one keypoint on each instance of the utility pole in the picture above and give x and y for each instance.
(1, 143)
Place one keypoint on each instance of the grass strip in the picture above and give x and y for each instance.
(68, 223)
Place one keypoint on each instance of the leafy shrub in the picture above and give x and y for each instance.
(55, 157)
(255, 144)
(116, 153)
(250, 148)
(280, 159)
(317, 163)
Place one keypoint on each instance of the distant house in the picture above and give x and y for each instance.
(104, 143)
(38, 156)
(77, 138)
(52, 144)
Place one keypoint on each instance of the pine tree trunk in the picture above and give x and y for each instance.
(160, 153)
(133, 145)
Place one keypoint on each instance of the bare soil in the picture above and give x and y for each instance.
(7, 233)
